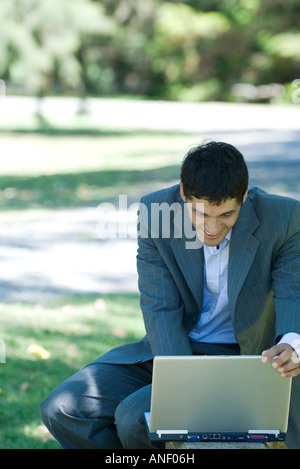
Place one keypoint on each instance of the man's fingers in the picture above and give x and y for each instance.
(283, 356)
(285, 359)
(290, 368)
(291, 374)
(275, 353)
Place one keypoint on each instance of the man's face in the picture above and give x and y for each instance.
(213, 222)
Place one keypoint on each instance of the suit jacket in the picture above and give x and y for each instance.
(263, 282)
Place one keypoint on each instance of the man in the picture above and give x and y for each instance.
(230, 286)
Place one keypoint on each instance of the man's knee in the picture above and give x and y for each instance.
(123, 420)
(64, 404)
(81, 415)
(51, 413)
(129, 418)
(126, 421)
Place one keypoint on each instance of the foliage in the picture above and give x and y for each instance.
(40, 41)
(186, 50)
(60, 168)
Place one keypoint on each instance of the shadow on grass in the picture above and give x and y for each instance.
(273, 171)
(24, 385)
(81, 127)
(76, 190)
(91, 188)
(75, 330)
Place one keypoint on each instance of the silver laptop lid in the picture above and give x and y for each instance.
(218, 394)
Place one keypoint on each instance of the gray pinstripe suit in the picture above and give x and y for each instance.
(264, 299)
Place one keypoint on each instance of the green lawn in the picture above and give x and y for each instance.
(39, 171)
(47, 344)
(49, 167)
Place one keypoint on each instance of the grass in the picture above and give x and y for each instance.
(47, 344)
(44, 168)
(52, 171)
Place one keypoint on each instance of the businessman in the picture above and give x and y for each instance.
(229, 285)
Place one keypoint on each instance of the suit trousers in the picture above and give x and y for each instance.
(102, 406)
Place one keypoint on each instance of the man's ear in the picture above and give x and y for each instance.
(245, 195)
(182, 193)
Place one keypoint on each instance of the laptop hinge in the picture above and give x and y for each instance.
(171, 432)
(268, 432)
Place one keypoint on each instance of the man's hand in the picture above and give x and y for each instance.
(285, 359)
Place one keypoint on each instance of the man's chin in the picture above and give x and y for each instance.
(213, 240)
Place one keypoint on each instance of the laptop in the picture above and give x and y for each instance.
(225, 398)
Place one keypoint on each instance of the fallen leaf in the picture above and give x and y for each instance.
(38, 351)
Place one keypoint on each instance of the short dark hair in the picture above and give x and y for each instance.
(215, 171)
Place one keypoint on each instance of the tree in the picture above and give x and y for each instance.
(40, 41)
(183, 50)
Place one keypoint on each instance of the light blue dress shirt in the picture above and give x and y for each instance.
(215, 325)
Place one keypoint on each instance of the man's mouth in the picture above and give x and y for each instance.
(211, 235)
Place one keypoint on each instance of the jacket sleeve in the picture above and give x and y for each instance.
(160, 301)
(286, 278)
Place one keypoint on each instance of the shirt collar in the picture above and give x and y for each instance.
(228, 236)
(225, 241)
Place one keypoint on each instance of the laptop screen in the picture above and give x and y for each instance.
(218, 394)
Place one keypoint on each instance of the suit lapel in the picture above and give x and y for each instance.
(189, 254)
(243, 247)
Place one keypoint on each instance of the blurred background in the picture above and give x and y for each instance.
(192, 51)
(100, 99)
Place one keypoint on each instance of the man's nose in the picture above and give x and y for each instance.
(212, 227)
